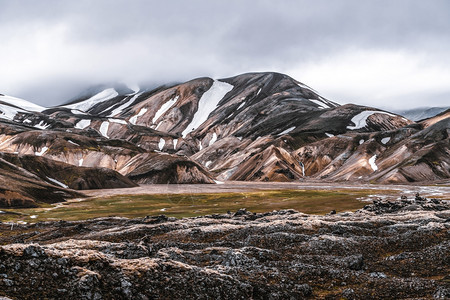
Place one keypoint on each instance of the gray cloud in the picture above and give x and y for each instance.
(49, 48)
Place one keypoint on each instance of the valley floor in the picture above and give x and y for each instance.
(192, 200)
(440, 191)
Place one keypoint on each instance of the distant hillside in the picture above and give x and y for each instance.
(421, 113)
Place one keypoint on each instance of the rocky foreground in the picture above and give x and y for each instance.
(394, 250)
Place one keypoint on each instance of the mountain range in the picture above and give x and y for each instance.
(250, 127)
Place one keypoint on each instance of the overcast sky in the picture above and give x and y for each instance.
(387, 54)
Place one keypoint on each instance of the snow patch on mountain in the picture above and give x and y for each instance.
(207, 104)
(360, 120)
(372, 163)
(24, 104)
(58, 182)
(9, 112)
(164, 108)
(73, 143)
(385, 140)
(119, 109)
(175, 142)
(161, 143)
(77, 112)
(40, 153)
(213, 139)
(42, 125)
(82, 124)
(287, 130)
(91, 102)
(104, 129)
(118, 121)
(321, 104)
(134, 118)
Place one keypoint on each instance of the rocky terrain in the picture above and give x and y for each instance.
(388, 249)
(251, 127)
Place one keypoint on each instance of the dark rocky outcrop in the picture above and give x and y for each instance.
(172, 169)
(396, 249)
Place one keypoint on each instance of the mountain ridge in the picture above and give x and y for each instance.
(254, 126)
(422, 113)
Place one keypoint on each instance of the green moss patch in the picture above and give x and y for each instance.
(190, 205)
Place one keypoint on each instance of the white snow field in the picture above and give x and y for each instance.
(360, 120)
(119, 109)
(207, 104)
(104, 129)
(120, 121)
(58, 182)
(42, 125)
(89, 103)
(8, 112)
(82, 124)
(73, 143)
(161, 144)
(213, 139)
(164, 108)
(287, 130)
(372, 163)
(241, 105)
(385, 140)
(24, 104)
(43, 150)
(134, 118)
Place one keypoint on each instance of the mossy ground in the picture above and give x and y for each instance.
(190, 205)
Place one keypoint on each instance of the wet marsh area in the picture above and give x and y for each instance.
(197, 200)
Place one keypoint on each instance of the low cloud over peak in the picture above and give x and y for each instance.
(368, 52)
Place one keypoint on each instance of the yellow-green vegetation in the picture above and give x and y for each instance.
(190, 205)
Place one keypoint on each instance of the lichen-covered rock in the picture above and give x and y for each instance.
(385, 250)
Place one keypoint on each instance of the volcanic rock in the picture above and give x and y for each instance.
(382, 251)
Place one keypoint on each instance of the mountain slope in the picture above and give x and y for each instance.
(254, 126)
(20, 188)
